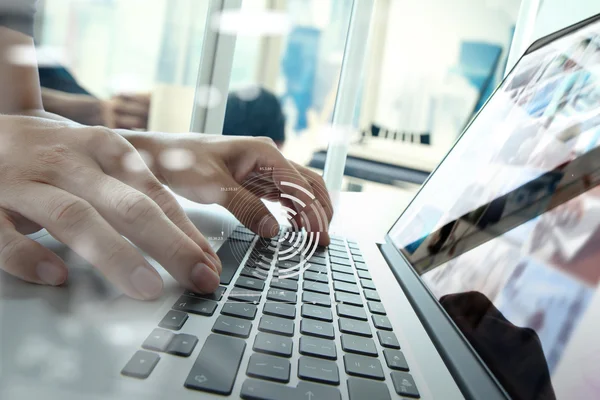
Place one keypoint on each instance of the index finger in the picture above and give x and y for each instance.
(296, 189)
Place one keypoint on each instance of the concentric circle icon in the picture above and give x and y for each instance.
(289, 251)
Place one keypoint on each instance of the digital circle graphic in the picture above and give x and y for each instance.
(288, 253)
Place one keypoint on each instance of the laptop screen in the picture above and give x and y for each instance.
(506, 231)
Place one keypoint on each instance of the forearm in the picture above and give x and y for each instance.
(80, 108)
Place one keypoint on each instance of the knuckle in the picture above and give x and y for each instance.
(68, 213)
(176, 247)
(9, 249)
(134, 207)
(267, 140)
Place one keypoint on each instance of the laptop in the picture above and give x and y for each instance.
(485, 287)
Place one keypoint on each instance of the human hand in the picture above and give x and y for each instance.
(89, 187)
(236, 172)
(128, 111)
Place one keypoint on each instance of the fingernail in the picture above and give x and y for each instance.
(146, 282)
(204, 278)
(216, 262)
(50, 274)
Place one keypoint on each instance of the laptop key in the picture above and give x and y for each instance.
(242, 236)
(158, 340)
(382, 322)
(360, 266)
(347, 298)
(316, 268)
(318, 370)
(355, 251)
(344, 310)
(316, 298)
(254, 389)
(229, 255)
(405, 384)
(339, 241)
(337, 276)
(371, 295)
(286, 284)
(338, 253)
(358, 259)
(376, 308)
(269, 367)
(395, 359)
(319, 392)
(232, 326)
(344, 269)
(339, 248)
(244, 295)
(316, 277)
(195, 306)
(316, 312)
(346, 287)
(254, 273)
(317, 328)
(216, 296)
(352, 244)
(388, 339)
(354, 327)
(363, 274)
(359, 389)
(367, 284)
(240, 310)
(280, 310)
(204, 376)
(173, 320)
(182, 345)
(317, 347)
(318, 260)
(141, 364)
(359, 345)
(339, 260)
(250, 283)
(279, 326)
(315, 287)
(273, 344)
(365, 367)
(284, 296)
(287, 275)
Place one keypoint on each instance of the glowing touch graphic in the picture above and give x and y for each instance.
(289, 253)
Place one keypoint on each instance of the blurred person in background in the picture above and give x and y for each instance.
(64, 96)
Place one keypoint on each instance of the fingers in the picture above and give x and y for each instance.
(129, 112)
(246, 205)
(74, 222)
(146, 183)
(299, 191)
(319, 189)
(137, 217)
(27, 259)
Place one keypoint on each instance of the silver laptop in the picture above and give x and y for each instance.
(485, 287)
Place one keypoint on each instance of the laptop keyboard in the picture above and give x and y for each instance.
(303, 304)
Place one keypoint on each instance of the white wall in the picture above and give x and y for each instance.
(422, 44)
(557, 14)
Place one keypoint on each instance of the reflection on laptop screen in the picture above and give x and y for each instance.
(513, 214)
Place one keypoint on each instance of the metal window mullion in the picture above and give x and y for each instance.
(348, 91)
(215, 70)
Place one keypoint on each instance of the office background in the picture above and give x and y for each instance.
(429, 66)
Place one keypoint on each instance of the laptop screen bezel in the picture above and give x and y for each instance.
(464, 366)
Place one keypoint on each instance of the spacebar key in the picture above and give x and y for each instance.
(217, 365)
